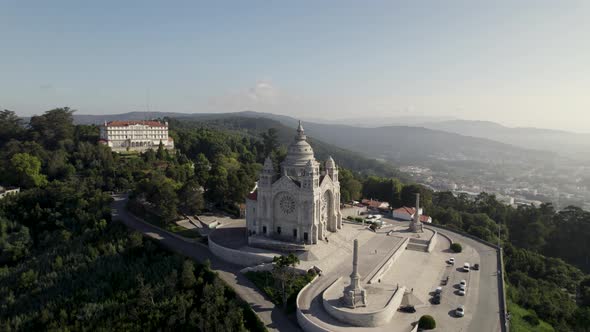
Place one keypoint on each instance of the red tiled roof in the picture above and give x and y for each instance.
(424, 218)
(372, 203)
(131, 123)
(406, 210)
(253, 196)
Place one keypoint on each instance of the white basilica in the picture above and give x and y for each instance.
(300, 204)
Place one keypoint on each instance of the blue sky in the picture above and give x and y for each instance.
(521, 63)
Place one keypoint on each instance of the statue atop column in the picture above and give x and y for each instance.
(354, 294)
(416, 225)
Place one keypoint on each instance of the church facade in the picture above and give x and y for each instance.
(301, 203)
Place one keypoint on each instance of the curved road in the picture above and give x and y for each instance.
(269, 314)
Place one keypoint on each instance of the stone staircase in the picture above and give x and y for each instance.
(418, 245)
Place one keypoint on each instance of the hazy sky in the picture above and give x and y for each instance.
(521, 63)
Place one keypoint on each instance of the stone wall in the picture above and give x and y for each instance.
(238, 257)
(432, 242)
(305, 323)
(354, 211)
(367, 319)
(395, 254)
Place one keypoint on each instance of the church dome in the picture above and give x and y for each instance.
(299, 152)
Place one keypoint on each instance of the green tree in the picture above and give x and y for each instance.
(284, 274)
(188, 278)
(190, 197)
(161, 154)
(202, 168)
(426, 322)
(350, 188)
(11, 126)
(27, 170)
(270, 140)
(408, 196)
(53, 127)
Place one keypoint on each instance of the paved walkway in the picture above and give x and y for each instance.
(269, 314)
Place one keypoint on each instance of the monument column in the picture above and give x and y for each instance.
(416, 224)
(354, 294)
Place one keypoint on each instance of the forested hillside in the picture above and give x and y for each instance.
(66, 266)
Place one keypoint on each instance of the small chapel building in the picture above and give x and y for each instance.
(299, 204)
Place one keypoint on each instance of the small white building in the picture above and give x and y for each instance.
(8, 191)
(135, 135)
(407, 213)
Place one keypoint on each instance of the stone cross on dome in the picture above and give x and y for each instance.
(300, 132)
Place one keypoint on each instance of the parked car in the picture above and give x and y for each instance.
(466, 267)
(463, 283)
(461, 292)
(438, 290)
(460, 311)
(451, 261)
(408, 308)
(476, 267)
(436, 298)
(445, 281)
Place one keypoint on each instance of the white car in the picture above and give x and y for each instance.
(460, 311)
(461, 292)
(466, 267)
(452, 261)
(463, 283)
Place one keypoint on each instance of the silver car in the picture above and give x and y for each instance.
(460, 311)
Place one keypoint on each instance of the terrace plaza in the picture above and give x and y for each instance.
(396, 267)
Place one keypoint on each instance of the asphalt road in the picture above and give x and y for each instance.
(486, 313)
(269, 314)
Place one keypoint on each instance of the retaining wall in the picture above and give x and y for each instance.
(241, 258)
(366, 319)
(432, 242)
(397, 252)
(305, 323)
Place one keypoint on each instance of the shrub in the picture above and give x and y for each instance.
(456, 247)
(532, 319)
(426, 322)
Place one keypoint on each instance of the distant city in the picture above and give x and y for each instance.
(534, 186)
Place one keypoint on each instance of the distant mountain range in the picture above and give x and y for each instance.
(402, 144)
(575, 145)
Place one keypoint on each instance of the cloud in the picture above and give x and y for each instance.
(264, 92)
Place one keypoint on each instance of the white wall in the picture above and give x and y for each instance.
(241, 258)
(367, 319)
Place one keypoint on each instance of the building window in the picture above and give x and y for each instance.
(263, 229)
(279, 230)
(294, 233)
(305, 236)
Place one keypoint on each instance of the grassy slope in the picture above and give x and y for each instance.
(518, 324)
